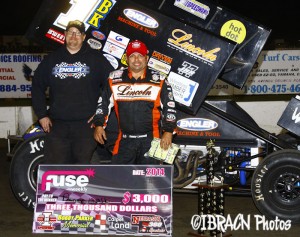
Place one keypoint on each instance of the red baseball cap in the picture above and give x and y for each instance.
(136, 46)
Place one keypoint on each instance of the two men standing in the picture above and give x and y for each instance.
(75, 75)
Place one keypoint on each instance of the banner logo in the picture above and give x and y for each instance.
(197, 124)
(76, 70)
(135, 92)
(94, 44)
(182, 41)
(187, 69)
(46, 219)
(75, 180)
(193, 7)
(141, 18)
(184, 89)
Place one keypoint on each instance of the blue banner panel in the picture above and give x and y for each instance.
(104, 200)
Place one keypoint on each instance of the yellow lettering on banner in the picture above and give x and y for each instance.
(95, 19)
(104, 7)
(184, 41)
(100, 12)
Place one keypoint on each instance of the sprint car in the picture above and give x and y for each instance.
(250, 160)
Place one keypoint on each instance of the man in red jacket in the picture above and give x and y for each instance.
(144, 105)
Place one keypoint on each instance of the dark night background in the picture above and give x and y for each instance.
(282, 17)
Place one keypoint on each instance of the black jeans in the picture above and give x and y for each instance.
(132, 151)
(69, 143)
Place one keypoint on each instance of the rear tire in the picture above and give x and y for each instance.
(275, 185)
(23, 170)
(24, 167)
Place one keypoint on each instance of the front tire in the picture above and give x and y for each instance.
(275, 185)
(23, 170)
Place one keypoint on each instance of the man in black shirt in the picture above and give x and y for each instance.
(74, 74)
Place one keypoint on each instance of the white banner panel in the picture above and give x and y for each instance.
(16, 73)
(276, 72)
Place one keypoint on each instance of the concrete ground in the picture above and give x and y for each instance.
(16, 221)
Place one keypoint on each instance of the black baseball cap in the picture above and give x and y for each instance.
(77, 24)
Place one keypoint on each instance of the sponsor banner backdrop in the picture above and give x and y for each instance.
(194, 56)
(16, 73)
(93, 200)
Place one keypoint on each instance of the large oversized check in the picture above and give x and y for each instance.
(104, 200)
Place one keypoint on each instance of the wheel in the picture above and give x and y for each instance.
(275, 185)
(24, 167)
(23, 170)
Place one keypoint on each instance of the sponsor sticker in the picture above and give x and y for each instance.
(116, 44)
(193, 7)
(113, 49)
(116, 74)
(187, 69)
(171, 117)
(197, 124)
(118, 39)
(140, 18)
(170, 95)
(135, 92)
(94, 44)
(56, 36)
(98, 35)
(171, 104)
(159, 66)
(234, 30)
(183, 88)
(113, 61)
(162, 57)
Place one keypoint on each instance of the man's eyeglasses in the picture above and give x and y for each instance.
(70, 33)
